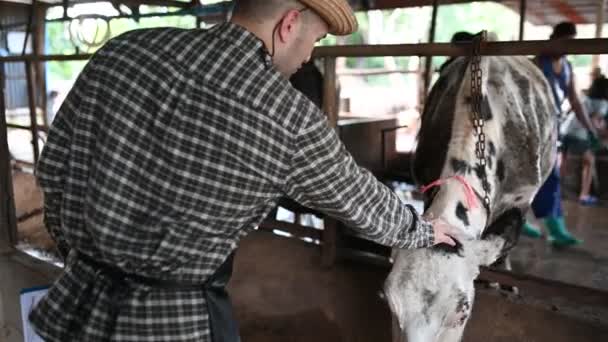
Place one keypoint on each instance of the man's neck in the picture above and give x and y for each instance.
(256, 29)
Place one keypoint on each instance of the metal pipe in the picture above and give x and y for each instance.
(429, 59)
(522, 18)
(599, 25)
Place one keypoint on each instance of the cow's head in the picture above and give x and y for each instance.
(431, 291)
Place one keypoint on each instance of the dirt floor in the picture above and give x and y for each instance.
(281, 294)
(28, 207)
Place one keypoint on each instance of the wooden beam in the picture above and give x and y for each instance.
(599, 26)
(167, 3)
(428, 65)
(329, 242)
(31, 94)
(515, 48)
(162, 3)
(46, 58)
(329, 91)
(8, 222)
(330, 106)
(372, 71)
(524, 48)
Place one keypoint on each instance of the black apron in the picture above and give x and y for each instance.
(224, 327)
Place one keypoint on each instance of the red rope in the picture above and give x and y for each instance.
(468, 189)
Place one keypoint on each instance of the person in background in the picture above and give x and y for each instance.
(51, 102)
(576, 142)
(547, 203)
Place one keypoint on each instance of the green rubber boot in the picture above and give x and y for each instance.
(558, 233)
(531, 231)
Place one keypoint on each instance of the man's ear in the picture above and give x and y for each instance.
(287, 26)
(508, 227)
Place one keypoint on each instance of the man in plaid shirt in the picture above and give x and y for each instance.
(174, 144)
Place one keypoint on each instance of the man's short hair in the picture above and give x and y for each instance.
(263, 8)
(563, 29)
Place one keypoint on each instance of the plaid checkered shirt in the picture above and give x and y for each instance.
(172, 145)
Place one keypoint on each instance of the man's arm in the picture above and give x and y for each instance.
(578, 109)
(324, 176)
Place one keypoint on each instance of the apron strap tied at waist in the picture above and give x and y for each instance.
(224, 327)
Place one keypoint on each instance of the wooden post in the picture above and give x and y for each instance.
(599, 25)
(522, 18)
(330, 107)
(31, 94)
(8, 226)
(329, 242)
(428, 72)
(38, 49)
(330, 226)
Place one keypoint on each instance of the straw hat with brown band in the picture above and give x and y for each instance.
(337, 14)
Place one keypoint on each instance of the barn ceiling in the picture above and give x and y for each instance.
(539, 12)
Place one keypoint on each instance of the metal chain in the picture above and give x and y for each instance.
(478, 120)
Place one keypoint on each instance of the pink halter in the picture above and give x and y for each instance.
(468, 190)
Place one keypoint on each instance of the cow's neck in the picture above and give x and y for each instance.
(450, 204)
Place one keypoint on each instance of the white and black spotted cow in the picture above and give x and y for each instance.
(430, 291)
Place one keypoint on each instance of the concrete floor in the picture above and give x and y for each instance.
(584, 265)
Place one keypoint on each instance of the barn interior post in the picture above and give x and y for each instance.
(428, 68)
(31, 94)
(8, 226)
(38, 36)
(330, 107)
(330, 100)
(599, 26)
(522, 18)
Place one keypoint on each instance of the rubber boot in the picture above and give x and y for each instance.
(558, 233)
(531, 231)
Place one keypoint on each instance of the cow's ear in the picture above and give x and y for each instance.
(487, 251)
(508, 226)
(499, 238)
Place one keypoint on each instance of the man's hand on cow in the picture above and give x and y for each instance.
(444, 232)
